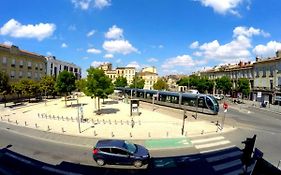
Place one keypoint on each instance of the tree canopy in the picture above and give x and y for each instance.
(202, 84)
(5, 87)
(98, 84)
(121, 82)
(81, 85)
(243, 86)
(47, 85)
(160, 85)
(65, 83)
(224, 84)
(137, 82)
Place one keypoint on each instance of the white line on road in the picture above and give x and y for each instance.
(212, 144)
(207, 140)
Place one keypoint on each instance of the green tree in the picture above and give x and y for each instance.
(5, 87)
(243, 86)
(184, 81)
(121, 82)
(160, 85)
(65, 83)
(98, 84)
(28, 87)
(47, 85)
(81, 85)
(224, 84)
(137, 82)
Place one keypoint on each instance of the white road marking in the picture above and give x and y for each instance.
(217, 149)
(207, 140)
(212, 144)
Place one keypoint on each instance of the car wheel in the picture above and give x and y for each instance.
(100, 162)
(137, 163)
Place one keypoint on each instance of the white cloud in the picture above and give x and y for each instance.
(235, 50)
(97, 63)
(91, 33)
(267, 50)
(114, 32)
(64, 45)
(94, 51)
(108, 55)
(39, 31)
(100, 4)
(248, 32)
(49, 53)
(160, 46)
(82, 4)
(223, 6)
(181, 60)
(72, 28)
(119, 46)
(152, 60)
(86, 4)
(8, 43)
(134, 64)
(194, 45)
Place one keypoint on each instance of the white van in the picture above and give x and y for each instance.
(192, 91)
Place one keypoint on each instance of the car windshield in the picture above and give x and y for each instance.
(130, 147)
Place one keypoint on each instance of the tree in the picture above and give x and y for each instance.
(184, 81)
(81, 85)
(98, 84)
(28, 88)
(160, 85)
(137, 82)
(47, 85)
(243, 86)
(224, 84)
(65, 83)
(5, 88)
(121, 82)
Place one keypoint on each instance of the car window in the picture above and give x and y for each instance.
(118, 151)
(107, 150)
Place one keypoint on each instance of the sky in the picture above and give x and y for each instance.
(175, 36)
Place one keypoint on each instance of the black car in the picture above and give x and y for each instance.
(120, 152)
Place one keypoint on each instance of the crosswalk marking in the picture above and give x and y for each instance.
(207, 140)
(217, 149)
(223, 156)
(227, 165)
(212, 144)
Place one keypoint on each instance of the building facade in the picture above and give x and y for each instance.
(18, 64)
(54, 67)
(150, 76)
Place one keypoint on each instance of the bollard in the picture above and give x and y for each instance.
(50, 116)
(139, 122)
(112, 135)
(49, 128)
(167, 134)
(202, 132)
(115, 122)
(1, 118)
(131, 134)
(121, 122)
(127, 122)
(8, 120)
(62, 130)
(149, 134)
(98, 121)
(54, 116)
(67, 118)
(58, 117)
(71, 118)
(17, 122)
(62, 118)
(38, 115)
(93, 121)
(103, 121)
(95, 133)
(41, 115)
(46, 116)
(109, 121)
(25, 123)
(36, 126)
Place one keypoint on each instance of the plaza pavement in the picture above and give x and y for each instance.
(113, 122)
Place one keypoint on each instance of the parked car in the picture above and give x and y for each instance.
(120, 152)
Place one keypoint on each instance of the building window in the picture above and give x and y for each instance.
(28, 74)
(51, 65)
(12, 74)
(41, 67)
(35, 75)
(20, 74)
(36, 66)
(29, 65)
(263, 72)
(75, 69)
(271, 71)
(257, 72)
(21, 63)
(13, 62)
(4, 60)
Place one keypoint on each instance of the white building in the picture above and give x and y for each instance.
(54, 67)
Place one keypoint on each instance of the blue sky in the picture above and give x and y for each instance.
(175, 36)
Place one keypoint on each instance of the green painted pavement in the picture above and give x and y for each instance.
(168, 143)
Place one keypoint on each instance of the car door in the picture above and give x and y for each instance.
(120, 156)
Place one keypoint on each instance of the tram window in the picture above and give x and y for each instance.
(201, 102)
(210, 104)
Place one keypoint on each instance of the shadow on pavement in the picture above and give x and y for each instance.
(110, 102)
(75, 105)
(107, 111)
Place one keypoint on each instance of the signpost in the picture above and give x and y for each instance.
(225, 106)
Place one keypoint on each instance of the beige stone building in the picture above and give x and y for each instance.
(150, 76)
(18, 64)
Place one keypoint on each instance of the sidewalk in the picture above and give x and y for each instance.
(114, 122)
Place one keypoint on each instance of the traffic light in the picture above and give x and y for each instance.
(248, 150)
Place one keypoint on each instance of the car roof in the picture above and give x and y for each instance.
(110, 143)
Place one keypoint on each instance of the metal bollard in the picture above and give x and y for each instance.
(25, 123)
(202, 132)
(131, 134)
(71, 118)
(36, 126)
(109, 121)
(54, 116)
(115, 122)
(112, 135)
(62, 130)
(103, 121)
(38, 115)
(121, 122)
(58, 117)
(8, 120)
(1, 118)
(62, 118)
(42, 115)
(67, 118)
(95, 133)
(149, 134)
(139, 122)
(92, 121)
(50, 116)
(46, 116)
(167, 134)
(17, 122)
(49, 128)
